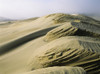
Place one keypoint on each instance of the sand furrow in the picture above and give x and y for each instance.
(73, 51)
(73, 28)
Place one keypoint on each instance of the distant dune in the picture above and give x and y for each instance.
(2, 19)
(52, 44)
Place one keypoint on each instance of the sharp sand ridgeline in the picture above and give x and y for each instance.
(53, 44)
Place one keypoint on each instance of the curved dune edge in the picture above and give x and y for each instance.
(8, 46)
(72, 29)
(58, 70)
(69, 51)
(18, 28)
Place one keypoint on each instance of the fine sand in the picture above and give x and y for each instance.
(53, 44)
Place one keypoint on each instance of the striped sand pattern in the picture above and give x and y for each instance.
(74, 28)
(69, 51)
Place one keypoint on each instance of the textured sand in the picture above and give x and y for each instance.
(74, 29)
(68, 51)
(34, 46)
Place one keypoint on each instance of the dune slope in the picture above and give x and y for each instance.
(73, 51)
(74, 29)
(50, 44)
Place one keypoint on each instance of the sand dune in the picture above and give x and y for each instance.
(61, 40)
(73, 51)
(74, 28)
(19, 41)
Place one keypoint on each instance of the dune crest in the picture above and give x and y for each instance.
(74, 29)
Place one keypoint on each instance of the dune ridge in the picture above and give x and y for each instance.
(16, 42)
(73, 28)
(69, 51)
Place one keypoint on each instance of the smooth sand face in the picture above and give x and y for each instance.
(59, 70)
(45, 42)
(16, 60)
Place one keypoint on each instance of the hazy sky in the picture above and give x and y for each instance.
(18, 9)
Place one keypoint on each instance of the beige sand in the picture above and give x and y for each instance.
(69, 51)
(58, 70)
(74, 29)
(30, 44)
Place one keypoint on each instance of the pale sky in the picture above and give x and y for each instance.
(19, 9)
